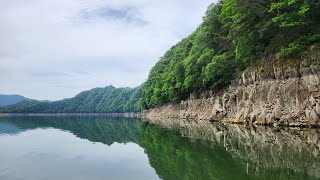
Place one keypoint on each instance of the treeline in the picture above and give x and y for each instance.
(234, 35)
(98, 100)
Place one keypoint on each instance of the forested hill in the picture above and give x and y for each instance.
(11, 99)
(97, 100)
(234, 36)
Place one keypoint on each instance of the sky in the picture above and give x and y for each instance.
(54, 49)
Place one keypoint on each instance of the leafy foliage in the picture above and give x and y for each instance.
(234, 35)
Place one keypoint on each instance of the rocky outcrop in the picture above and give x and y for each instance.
(281, 96)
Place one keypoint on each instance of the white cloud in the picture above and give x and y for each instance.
(52, 49)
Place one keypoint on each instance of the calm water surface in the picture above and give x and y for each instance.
(51, 148)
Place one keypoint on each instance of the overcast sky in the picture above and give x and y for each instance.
(53, 49)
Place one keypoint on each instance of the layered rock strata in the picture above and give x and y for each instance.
(282, 96)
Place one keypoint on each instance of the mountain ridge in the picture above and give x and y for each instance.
(108, 99)
(10, 99)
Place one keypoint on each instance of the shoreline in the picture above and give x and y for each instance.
(178, 122)
(127, 114)
(284, 97)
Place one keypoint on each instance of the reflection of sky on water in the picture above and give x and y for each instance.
(118, 148)
(55, 154)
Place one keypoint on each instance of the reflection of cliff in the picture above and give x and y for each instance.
(95, 129)
(175, 157)
(198, 150)
(263, 152)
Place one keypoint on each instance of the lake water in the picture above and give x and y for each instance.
(94, 148)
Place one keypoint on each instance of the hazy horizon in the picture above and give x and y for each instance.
(52, 50)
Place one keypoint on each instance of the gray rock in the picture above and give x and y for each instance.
(317, 108)
(287, 99)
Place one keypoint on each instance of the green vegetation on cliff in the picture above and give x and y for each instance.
(234, 35)
(97, 100)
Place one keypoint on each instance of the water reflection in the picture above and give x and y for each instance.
(9, 129)
(95, 129)
(71, 148)
(180, 150)
(260, 152)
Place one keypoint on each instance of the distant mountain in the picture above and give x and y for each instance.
(6, 100)
(98, 100)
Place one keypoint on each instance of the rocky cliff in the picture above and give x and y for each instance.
(282, 95)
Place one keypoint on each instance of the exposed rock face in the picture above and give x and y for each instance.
(281, 97)
(259, 149)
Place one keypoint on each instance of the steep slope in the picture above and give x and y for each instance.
(97, 100)
(235, 36)
(287, 97)
(248, 62)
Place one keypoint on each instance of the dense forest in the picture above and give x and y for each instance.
(102, 100)
(235, 35)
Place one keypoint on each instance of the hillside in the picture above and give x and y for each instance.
(235, 36)
(6, 100)
(249, 62)
(97, 100)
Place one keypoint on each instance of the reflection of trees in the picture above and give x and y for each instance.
(198, 150)
(263, 152)
(176, 157)
(95, 129)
